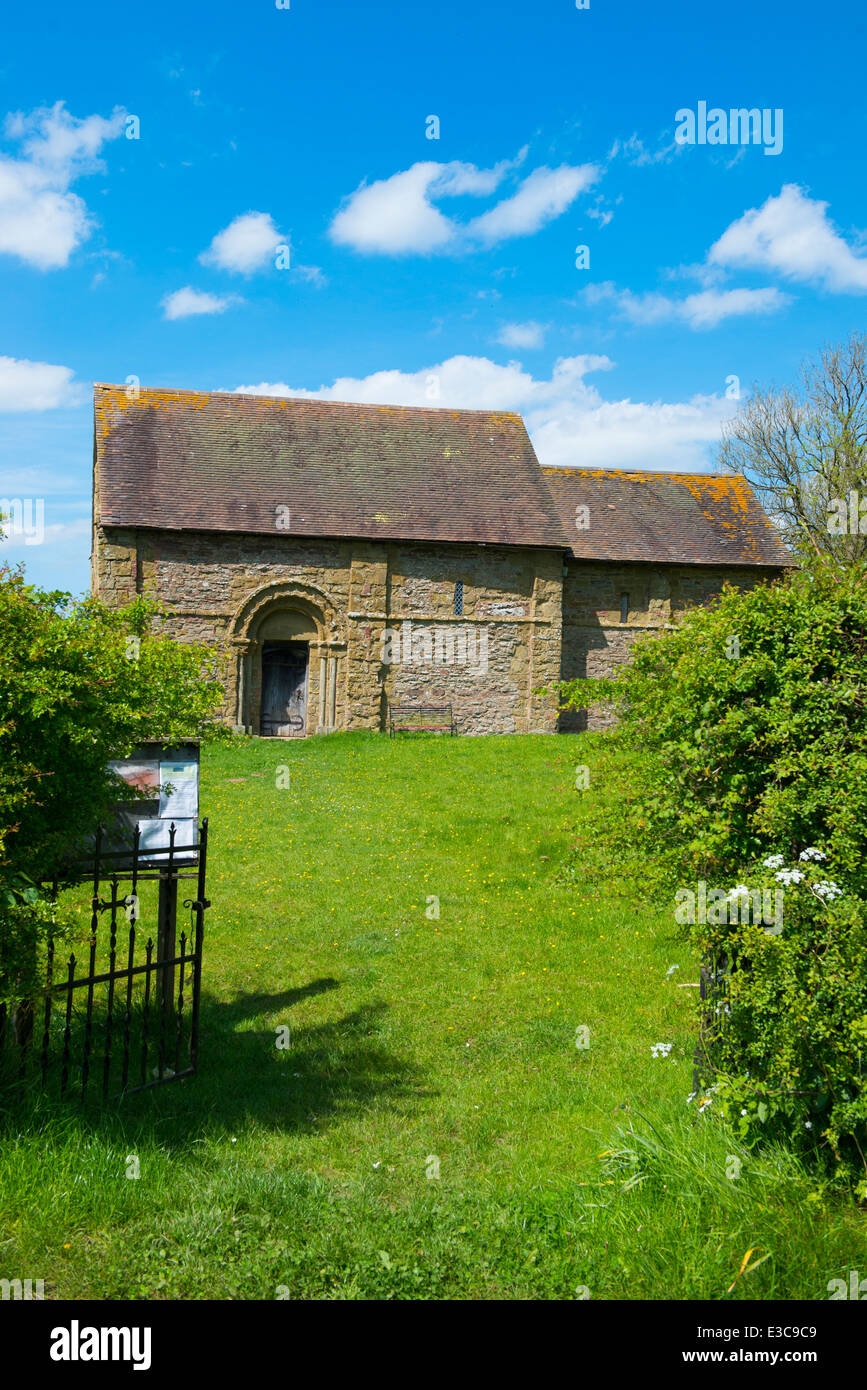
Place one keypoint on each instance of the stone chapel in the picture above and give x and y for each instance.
(340, 558)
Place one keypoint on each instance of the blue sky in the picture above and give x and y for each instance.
(420, 271)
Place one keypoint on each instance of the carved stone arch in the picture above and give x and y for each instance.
(316, 603)
(325, 636)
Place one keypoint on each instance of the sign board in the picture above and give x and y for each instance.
(164, 786)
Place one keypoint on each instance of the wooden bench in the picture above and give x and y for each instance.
(417, 719)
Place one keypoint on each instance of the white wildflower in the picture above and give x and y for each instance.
(774, 861)
(787, 876)
(660, 1049)
(812, 853)
(827, 890)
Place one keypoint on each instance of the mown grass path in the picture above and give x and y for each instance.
(416, 1034)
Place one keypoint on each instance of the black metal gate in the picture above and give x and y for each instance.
(118, 1016)
(714, 978)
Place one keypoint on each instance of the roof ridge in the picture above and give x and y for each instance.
(644, 472)
(307, 399)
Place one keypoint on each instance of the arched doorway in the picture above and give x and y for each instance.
(287, 641)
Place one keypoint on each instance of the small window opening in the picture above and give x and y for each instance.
(459, 599)
(624, 608)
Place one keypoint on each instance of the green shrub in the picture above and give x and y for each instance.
(754, 713)
(784, 1037)
(80, 684)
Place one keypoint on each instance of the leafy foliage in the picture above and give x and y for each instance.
(29, 919)
(752, 714)
(80, 684)
(785, 1038)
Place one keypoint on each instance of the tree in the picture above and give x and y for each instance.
(804, 452)
(81, 684)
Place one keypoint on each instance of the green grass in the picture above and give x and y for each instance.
(412, 1039)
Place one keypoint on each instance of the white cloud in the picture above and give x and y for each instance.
(312, 274)
(710, 307)
(792, 235)
(601, 215)
(28, 385)
(670, 435)
(247, 244)
(522, 335)
(395, 215)
(66, 534)
(463, 383)
(457, 178)
(184, 303)
(41, 221)
(398, 216)
(569, 420)
(704, 309)
(543, 195)
(636, 152)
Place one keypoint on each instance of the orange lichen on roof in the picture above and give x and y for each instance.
(633, 474)
(110, 401)
(736, 491)
(648, 514)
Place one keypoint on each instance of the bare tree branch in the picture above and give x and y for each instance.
(804, 453)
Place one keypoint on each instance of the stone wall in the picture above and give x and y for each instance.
(381, 624)
(596, 641)
(352, 601)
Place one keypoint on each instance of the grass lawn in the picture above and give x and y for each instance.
(420, 1045)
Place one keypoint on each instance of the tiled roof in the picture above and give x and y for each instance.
(214, 461)
(673, 518)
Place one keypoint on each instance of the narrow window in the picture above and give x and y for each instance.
(459, 599)
(624, 608)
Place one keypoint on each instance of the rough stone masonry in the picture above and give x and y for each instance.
(298, 537)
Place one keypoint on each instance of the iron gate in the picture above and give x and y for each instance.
(128, 1015)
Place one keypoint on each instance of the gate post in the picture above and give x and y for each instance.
(167, 916)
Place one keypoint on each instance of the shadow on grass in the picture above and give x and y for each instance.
(245, 1079)
(249, 1005)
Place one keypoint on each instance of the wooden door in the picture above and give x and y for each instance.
(284, 689)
